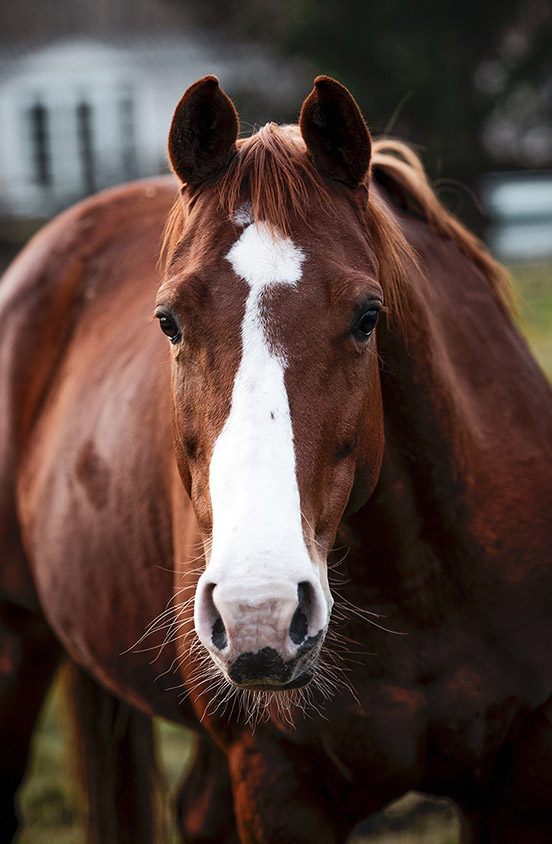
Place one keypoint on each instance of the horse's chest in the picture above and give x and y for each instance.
(442, 737)
(377, 751)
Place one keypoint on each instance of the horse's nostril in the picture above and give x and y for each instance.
(218, 634)
(299, 626)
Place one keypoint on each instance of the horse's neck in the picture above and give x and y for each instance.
(417, 519)
(459, 428)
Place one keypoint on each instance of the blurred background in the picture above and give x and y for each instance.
(87, 91)
(88, 87)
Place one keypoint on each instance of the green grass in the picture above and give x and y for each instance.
(50, 801)
(534, 283)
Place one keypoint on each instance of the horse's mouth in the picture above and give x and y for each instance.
(266, 671)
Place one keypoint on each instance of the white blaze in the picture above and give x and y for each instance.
(255, 498)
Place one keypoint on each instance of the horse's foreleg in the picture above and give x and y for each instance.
(205, 805)
(29, 655)
(280, 796)
(119, 764)
(518, 806)
(522, 808)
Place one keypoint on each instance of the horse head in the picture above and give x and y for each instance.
(270, 304)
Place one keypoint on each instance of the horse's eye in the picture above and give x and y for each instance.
(365, 324)
(169, 326)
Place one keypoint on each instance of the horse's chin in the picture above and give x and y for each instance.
(298, 683)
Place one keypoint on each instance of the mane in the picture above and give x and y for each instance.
(398, 161)
(272, 173)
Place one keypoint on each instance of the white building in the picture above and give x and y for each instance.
(78, 115)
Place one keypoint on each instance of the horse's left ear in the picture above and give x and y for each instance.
(203, 134)
(337, 138)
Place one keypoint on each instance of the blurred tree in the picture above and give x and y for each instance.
(430, 71)
(411, 65)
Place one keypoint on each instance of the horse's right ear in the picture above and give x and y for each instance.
(203, 134)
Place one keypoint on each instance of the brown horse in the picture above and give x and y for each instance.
(190, 492)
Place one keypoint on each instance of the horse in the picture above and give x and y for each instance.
(308, 519)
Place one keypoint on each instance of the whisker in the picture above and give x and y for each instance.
(347, 607)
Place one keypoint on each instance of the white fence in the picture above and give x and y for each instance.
(520, 207)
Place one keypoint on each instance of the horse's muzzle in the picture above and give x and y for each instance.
(262, 635)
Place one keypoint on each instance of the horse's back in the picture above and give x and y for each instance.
(85, 423)
(103, 249)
